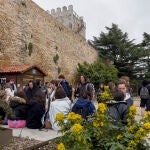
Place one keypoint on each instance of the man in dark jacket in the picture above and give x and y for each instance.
(118, 109)
(65, 86)
(145, 102)
(123, 87)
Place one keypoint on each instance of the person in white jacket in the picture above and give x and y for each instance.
(9, 91)
(62, 104)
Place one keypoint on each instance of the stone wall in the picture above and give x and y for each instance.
(24, 23)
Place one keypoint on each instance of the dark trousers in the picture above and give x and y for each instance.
(2, 113)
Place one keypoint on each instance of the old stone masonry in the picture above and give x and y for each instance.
(31, 35)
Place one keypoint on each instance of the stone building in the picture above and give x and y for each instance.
(30, 35)
(69, 18)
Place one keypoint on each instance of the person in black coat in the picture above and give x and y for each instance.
(118, 108)
(145, 102)
(122, 86)
(18, 103)
(36, 111)
(32, 90)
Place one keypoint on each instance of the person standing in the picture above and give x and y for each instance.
(86, 85)
(65, 86)
(144, 93)
(32, 90)
(123, 87)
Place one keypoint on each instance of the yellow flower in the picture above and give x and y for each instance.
(106, 87)
(61, 146)
(131, 128)
(102, 108)
(119, 137)
(128, 148)
(59, 117)
(101, 124)
(84, 141)
(95, 124)
(77, 116)
(73, 116)
(132, 144)
(77, 128)
(70, 115)
(141, 130)
(147, 126)
(132, 111)
(147, 115)
(106, 96)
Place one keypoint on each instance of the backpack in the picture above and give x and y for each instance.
(144, 93)
(67, 88)
(91, 85)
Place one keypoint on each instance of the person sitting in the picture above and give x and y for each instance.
(62, 104)
(35, 111)
(83, 106)
(118, 108)
(18, 105)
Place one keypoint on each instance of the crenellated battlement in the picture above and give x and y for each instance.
(68, 17)
(62, 10)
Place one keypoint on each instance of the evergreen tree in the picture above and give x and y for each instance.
(146, 59)
(115, 46)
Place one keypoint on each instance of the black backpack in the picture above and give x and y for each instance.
(144, 93)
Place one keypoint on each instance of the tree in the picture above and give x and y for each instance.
(97, 72)
(146, 59)
(115, 46)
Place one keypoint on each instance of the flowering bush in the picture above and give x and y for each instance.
(103, 97)
(5, 105)
(2, 94)
(99, 131)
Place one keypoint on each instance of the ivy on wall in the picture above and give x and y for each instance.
(56, 58)
(29, 47)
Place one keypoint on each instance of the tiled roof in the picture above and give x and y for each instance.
(18, 69)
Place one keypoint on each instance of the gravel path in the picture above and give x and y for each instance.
(19, 143)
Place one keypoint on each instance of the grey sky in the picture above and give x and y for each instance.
(132, 16)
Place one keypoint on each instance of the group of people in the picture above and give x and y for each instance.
(118, 108)
(39, 104)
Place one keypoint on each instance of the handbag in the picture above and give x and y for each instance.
(47, 123)
(16, 122)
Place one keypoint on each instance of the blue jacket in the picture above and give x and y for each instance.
(66, 87)
(81, 103)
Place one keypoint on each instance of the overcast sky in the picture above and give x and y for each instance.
(132, 16)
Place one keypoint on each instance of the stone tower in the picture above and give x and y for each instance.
(69, 18)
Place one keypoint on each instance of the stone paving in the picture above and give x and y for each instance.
(36, 134)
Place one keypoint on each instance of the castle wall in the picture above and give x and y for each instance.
(23, 22)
